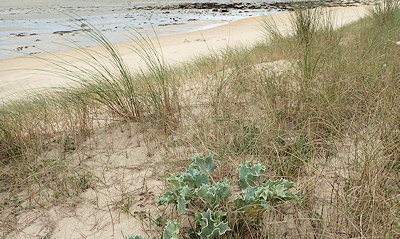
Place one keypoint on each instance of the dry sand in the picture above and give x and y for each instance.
(21, 74)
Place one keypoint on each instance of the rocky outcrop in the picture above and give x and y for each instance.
(225, 7)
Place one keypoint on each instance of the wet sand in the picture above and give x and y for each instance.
(21, 74)
(29, 30)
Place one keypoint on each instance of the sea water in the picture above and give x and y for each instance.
(30, 27)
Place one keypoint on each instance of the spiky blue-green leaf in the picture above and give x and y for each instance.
(134, 237)
(249, 174)
(212, 224)
(167, 198)
(216, 193)
(287, 184)
(195, 178)
(176, 180)
(265, 195)
(171, 230)
(250, 198)
(184, 186)
(185, 194)
(276, 191)
(181, 196)
(205, 164)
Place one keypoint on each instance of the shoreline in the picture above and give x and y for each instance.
(165, 4)
(278, 5)
(34, 31)
(18, 78)
(29, 29)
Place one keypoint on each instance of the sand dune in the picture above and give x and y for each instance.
(92, 217)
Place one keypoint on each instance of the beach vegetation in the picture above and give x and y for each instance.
(312, 110)
(211, 205)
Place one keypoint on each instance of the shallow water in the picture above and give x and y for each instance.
(14, 3)
(36, 26)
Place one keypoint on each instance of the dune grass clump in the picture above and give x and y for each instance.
(105, 77)
(159, 85)
(385, 13)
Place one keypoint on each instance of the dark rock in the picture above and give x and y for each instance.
(20, 34)
(222, 7)
(62, 32)
(71, 31)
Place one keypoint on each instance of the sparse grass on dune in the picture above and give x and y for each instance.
(318, 107)
(329, 118)
(27, 125)
(59, 120)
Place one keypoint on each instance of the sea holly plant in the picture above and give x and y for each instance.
(185, 185)
(212, 224)
(216, 193)
(172, 230)
(205, 164)
(193, 177)
(134, 237)
(265, 195)
(179, 195)
(197, 194)
(249, 174)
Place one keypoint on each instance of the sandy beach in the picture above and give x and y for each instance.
(21, 74)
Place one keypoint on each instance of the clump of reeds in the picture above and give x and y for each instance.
(385, 12)
(107, 78)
